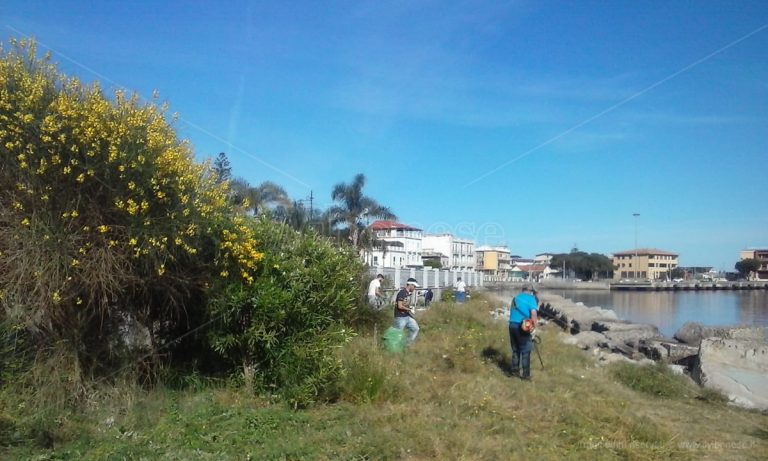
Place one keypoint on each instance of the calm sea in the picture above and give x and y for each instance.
(669, 310)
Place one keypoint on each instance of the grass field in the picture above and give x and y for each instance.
(447, 397)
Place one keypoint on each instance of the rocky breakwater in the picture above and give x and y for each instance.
(732, 360)
(598, 330)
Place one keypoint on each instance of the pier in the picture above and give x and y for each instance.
(641, 285)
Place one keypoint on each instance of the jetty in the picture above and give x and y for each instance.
(693, 285)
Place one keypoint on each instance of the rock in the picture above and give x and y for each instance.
(630, 334)
(690, 333)
(607, 358)
(693, 332)
(586, 340)
(575, 317)
(736, 367)
(668, 350)
(676, 369)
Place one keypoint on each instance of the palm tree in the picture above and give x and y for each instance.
(353, 205)
(260, 199)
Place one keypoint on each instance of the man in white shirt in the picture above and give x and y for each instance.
(374, 291)
(461, 291)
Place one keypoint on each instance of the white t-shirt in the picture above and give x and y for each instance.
(461, 286)
(373, 286)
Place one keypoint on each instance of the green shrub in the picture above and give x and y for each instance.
(283, 331)
(656, 379)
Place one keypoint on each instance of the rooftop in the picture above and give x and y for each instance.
(645, 252)
(388, 225)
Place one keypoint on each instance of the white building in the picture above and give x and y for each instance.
(460, 252)
(397, 245)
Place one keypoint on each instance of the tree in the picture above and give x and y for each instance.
(677, 273)
(260, 199)
(433, 263)
(747, 266)
(222, 168)
(353, 205)
(586, 266)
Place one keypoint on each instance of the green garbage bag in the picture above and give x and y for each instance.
(394, 339)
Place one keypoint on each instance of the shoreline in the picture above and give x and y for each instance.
(731, 360)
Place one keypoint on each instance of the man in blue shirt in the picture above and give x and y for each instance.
(523, 307)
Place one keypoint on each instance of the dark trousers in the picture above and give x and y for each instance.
(522, 345)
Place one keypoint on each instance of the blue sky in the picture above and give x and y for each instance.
(540, 125)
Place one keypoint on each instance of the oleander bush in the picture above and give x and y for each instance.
(283, 332)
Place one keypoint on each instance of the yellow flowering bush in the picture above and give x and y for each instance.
(104, 214)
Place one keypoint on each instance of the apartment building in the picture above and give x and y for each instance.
(396, 245)
(460, 252)
(644, 263)
(760, 254)
(494, 262)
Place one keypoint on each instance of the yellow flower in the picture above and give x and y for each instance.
(74, 263)
(56, 297)
(79, 301)
(161, 269)
(224, 273)
(66, 170)
(80, 178)
(102, 228)
(25, 222)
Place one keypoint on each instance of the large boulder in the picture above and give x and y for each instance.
(693, 332)
(736, 367)
(668, 350)
(586, 340)
(631, 334)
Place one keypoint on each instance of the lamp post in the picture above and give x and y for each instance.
(637, 261)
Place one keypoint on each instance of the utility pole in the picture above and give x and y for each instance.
(311, 201)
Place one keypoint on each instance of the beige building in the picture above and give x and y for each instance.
(494, 262)
(644, 263)
(760, 254)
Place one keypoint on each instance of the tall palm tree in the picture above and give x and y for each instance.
(353, 205)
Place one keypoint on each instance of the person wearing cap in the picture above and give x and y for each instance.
(404, 319)
(523, 307)
(374, 291)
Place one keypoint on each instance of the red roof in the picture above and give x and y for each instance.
(387, 225)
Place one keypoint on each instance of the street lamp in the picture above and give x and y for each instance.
(637, 261)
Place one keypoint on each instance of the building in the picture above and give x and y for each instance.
(494, 262)
(395, 245)
(644, 263)
(760, 254)
(460, 252)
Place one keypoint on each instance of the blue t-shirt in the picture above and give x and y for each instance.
(525, 303)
